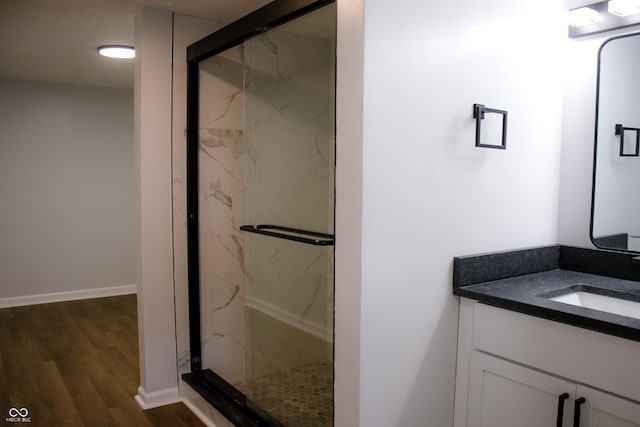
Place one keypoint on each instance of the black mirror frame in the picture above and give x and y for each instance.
(615, 240)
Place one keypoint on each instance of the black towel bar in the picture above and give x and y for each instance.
(303, 236)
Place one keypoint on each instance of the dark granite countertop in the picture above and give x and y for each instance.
(487, 278)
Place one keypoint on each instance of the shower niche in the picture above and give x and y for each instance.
(260, 209)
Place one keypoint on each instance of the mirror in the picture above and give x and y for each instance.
(615, 206)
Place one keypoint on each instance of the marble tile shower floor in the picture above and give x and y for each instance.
(301, 396)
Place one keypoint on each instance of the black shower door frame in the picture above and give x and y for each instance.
(215, 390)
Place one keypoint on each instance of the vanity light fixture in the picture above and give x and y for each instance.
(582, 16)
(117, 51)
(624, 7)
(611, 15)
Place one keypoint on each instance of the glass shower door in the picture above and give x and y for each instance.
(265, 165)
(289, 100)
(220, 197)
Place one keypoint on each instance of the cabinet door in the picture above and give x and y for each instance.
(504, 394)
(605, 410)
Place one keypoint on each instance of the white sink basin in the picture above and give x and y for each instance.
(608, 304)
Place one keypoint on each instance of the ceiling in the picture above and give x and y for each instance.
(57, 40)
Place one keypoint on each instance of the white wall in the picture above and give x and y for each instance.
(348, 217)
(67, 189)
(427, 193)
(152, 113)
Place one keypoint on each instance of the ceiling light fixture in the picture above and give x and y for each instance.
(624, 7)
(117, 51)
(601, 16)
(583, 16)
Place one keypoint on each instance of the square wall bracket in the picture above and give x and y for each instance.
(621, 130)
(491, 131)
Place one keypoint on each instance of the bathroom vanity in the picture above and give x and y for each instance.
(551, 336)
(542, 340)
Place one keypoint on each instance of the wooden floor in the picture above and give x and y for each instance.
(76, 364)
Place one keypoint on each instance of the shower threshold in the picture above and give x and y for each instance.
(300, 396)
(227, 400)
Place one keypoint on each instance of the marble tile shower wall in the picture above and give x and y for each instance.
(289, 102)
(276, 168)
(221, 180)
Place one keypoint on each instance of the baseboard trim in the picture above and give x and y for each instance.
(109, 291)
(158, 398)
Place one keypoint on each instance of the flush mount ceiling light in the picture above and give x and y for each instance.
(624, 7)
(583, 16)
(117, 51)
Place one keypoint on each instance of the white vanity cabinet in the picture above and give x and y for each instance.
(503, 393)
(516, 370)
(605, 410)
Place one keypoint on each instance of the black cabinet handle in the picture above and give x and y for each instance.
(561, 399)
(576, 412)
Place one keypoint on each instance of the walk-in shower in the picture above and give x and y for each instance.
(260, 209)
